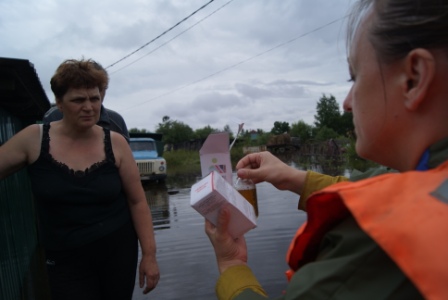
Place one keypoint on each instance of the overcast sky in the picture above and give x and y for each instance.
(251, 61)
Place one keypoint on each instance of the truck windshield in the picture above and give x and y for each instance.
(142, 146)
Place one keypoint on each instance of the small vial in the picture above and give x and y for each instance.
(247, 189)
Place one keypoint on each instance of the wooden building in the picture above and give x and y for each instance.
(22, 271)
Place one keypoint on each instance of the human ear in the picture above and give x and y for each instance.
(419, 74)
(59, 104)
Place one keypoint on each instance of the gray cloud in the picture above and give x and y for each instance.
(230, 66)
(271, 91)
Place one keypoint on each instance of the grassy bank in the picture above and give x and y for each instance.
(188, 162)
(185, 163)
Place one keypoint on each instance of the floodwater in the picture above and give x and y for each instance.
(186, 259)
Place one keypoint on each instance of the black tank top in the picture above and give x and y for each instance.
(77, 207)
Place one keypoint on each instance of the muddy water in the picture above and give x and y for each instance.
(186, 259)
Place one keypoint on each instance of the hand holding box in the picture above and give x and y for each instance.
(212, 192)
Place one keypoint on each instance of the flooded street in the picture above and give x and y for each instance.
(186, 259)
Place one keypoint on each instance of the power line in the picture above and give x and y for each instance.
(160, 35)
(176, 36)
(239, 63)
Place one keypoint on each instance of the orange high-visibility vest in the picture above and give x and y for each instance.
(383, 207)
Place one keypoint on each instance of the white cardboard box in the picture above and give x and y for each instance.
(215, 156)
(212, 192)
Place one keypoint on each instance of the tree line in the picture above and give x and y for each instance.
(329, 123)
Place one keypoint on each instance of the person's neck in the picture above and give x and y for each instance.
(75, 132)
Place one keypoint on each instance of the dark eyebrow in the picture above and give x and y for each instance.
(78, 98)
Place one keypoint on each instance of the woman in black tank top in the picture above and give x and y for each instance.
(91, 205)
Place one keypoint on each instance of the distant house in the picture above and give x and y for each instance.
(253, 135)
(22, 270)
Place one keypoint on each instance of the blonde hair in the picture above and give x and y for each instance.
(398, 26)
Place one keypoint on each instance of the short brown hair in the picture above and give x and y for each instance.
(74, 73)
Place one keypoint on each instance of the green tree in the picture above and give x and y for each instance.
(302, 130)
(263, 137)
(328, 113)
(202, 133)
(164, 127)
(181, 132)
(227, 128)
(136, 130)
(280, 127)
(324, 133)
(174, 131)
(346, 124)
(229, 131)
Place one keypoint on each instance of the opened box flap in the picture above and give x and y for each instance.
(215, 156)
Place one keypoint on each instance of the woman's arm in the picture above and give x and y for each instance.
(264, 166)
(140, 211)
(19, 151)
(231, 256)
(315, 182)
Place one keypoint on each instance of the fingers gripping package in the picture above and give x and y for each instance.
(212, 192)
(216, 189)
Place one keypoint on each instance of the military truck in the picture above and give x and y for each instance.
(147, 149)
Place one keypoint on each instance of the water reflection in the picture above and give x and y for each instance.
(332, 167)
(158, 200)
(178, 181)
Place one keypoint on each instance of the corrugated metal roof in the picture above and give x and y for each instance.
(21, 92)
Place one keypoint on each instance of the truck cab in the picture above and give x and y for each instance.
(151, 165)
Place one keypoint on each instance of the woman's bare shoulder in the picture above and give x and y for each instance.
(30, 133)
(120, 146)
(117, 138)
(23, 148)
